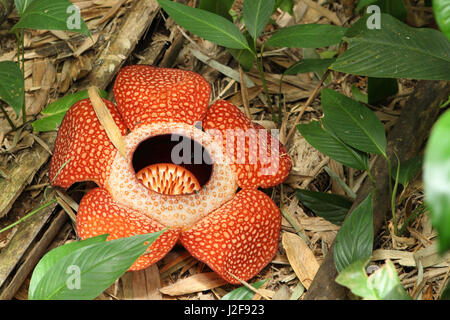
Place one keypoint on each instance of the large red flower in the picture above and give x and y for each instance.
(177, 175)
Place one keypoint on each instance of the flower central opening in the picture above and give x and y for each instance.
(172, 164)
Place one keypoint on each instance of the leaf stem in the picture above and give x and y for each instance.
(344, 186)
(393, 190)
(308, 102)
(22, 41)
(7, 117)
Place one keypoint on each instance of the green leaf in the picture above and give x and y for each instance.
(49, 123)
(309, 65)
(86, 272)
(21, 5)
(441, 9)
(307, 36)
(243, 293)
(381, 88)
(63, 105)
(245, 58)
(52, 257)
(353, 122)
(52, 15)
(386, 284)
(408, 170)
(285, 5)
(256, 15)
(221, 7)
(395, 8)
(331, 207)
(54, 113)
(359, 96)
(354, 240)
(395, 51)
(383, 284)
(329, 144)
(205, 24)
(364, 3)
(355, 278)
(12, 85)
(436, 175)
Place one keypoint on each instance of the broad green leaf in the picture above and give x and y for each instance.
(353, 122)
(256, 15)
(220, 7)
(379, 89)
(12, 86)
(395, 51)
(52, 15)
(54, 113)
(441, 9)
(243, 293)
(355, 278)
(329, 144)
(85, 273)
(205, 24)
(309, 65)
(21, 5)
(52, 257)
(408, 170)
(386, 285)
(307, 36)
(354, 240)
(331, 207)
(383, 284)
(436, 176)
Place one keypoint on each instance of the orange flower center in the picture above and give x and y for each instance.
(168, 178)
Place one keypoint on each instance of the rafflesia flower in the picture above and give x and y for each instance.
(184, 164)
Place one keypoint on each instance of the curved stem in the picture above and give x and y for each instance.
(259, 64)
(22, 42)
(28, 215)
(7, 117)
(393, 190)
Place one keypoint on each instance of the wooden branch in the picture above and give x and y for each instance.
(406, 139)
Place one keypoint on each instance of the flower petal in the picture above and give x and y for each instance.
(147, 94)
(100, 214)
(258, 158)
(240, 238)
(82, 149)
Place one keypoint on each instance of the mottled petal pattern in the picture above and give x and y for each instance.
(100, 214)
(82, 148)
(258, 158)
(147, 94)
(239, 238)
